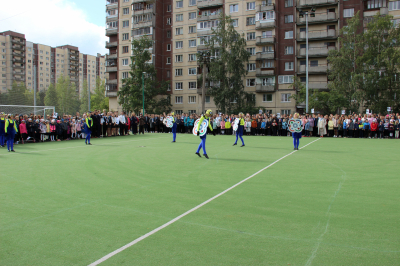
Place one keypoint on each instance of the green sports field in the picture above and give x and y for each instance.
(333, 202)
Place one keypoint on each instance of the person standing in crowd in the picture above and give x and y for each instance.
(174, 127)
(142, 122)
(23, 131)
(310, 126)
(53, 130)
(240, 129)
(296, 135)
(89, 126)
(122, 122)
(103, 123)
(396, 129)
(321, 126)
(2, 130)
(146, 123)
(134, 122)
(10, 128)
(284, 127)
(202, 144)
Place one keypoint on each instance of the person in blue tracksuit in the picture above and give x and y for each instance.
(174, 127)
(2, 130)
(88, 126)
(10, 129)
(296, 135)
(239, 131)
(203, 138)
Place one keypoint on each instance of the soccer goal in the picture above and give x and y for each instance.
(27, 110)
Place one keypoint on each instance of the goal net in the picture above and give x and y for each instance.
(27, 110)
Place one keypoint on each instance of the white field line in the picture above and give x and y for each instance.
(97, 262)
(80, 146)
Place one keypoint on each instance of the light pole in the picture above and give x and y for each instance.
(312, 14)
(143, 89)
(203, 58)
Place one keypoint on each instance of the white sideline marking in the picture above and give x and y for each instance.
(106, 257)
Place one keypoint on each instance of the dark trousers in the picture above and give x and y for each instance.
(141, 129)
(344, 133)
(121, 129)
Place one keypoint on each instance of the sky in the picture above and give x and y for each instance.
(58, 22)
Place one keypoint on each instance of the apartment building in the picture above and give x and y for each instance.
(22, 59)
(275, 31)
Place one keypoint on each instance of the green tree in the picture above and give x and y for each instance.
(40, 98)
(68, 100)
(84, 98)
(18, 94)
(51, 98)
(98, 100)
(228, 67)
(130, 94)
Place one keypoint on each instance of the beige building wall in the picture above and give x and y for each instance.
(29, 81)
(5, 61)
(44, 67)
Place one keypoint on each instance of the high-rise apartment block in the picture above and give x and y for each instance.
(276, 39)
(21, 58)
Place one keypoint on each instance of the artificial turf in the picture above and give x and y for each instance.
(335, 202)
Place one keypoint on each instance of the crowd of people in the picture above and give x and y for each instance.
(37, 128)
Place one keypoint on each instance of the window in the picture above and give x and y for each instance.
(125, 36)
(251, 6)
(208, 99)
(168, 34)
(168, 74)
(192, 43)
(371, 4)
(178, 58)
(125, 75)
(168, 47)
(251, 36)
(168, 60)
(250, 21)
(168, 21)
(192, 85)
(251, 50)
(267, 97)
(179, 45)
(169, 8)
(289, 34)
(192, 15)
(289, 66)
(193, 71)
(251, 67)
(179, 99)
(288, 79)
(235, 22)
(288, 3)
(125, 49)
(125, 62)
(192, 99)
(179, 17)
(285, 97)
(267, 63)
(126, 11)
(234, 8)
(348, 13)
(285, 112)
(250, 82)
(192, 29)
(288, 18)
(178, 85)
(288, 49)
(178, 72)
(265, 16)
(394, 5)
(179, 4)
(125, 24)
(168, 87)
(192, 2)
(192, 57)
(178, 31)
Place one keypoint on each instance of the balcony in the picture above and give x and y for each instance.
(73, 79)
(372, 13)
(265, 55)
(18, 54)
(262, 8)
(315, 51)
(111, 82)
(18, 78)
(142, 24)
(141, 1)
(111, 56)
(260, 72)
(205, 18)
(72, 63)
(317, 85)
(200, 91)
(204, 32)
(269, 87)
(317, 35)
(143, 11)
(260, 40)
(18, 47)
(18, 67)
(111, 5)
(111, 69)
(73, 58)
(265, 24)
(320, 69)
(111, 94)
(111, 31)
(209, 3)
(112, 18)
(18, 60)
(309, 3)
(149, 36)
(18, 41)
(111, 44)
(319, 18)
